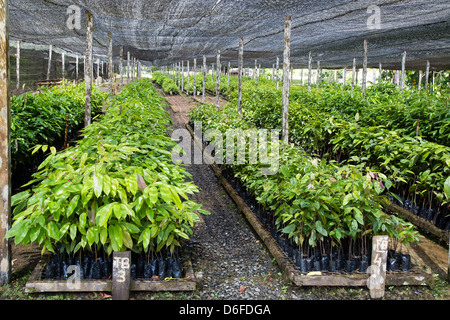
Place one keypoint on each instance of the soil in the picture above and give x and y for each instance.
(229, 257)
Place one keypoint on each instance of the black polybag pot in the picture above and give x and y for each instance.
(332, 266)
(169, 267)
(324, 261)
(162, 268)
(50, 270)
(133, 271)
(406, 262)
(154, 266)
(147, 271)
(391, 264)
(317, 265)
(303, 267)
(309, 264)
(96, 271)
(176, 268)
(140, 267)
(63, 270)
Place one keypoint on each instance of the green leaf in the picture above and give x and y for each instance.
(104, 213)
(289, 229)
(73, 231)
(447, 187)
(347, 198)
(98, 184)
(53, 230)
(72, 205)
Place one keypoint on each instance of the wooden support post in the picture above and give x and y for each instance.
(182, 75)
(128, 67)
(318, 75)
(254, 73)
(403, 75)
(379, 71)
(212, 71)
(76, 68)
(121, 67)
(138, 69)
(5, 143)
(195, 78)
(121, 275)
(88, 74)
(110, 64)
(63, 65)
(377, 279)
(309, 71)
(218, 68)
(427, 72)
(98, 69)
(353, 74)
(278, 75)
(187, 79)
(420, 79)
(364, 75)
(204, 79)
(228, 71)
(18, 66)
(240, 65)
(49, 62)
(286, 67)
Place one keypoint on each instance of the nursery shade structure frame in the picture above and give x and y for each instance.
(162, 32)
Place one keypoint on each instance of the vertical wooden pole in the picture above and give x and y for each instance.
(121, 275)
(291, 72)
(18, 66)
(49, 62)
(240, 65)
(76, 68)
(5, 143)
(286, 68)
(254, 73)
(121, 67)
(98, 69)
(212, 71)
(376, 281)
(229, 68)
(218, 68)
(353, 74)
(63, 65)
(379, 71)
(138, 69)
(309, 71)
(110, 64)
(204, 79)
(364, 75)
(195, 77)
(277, 72)
(128, 67)
(403, 75)
(187, 79)
(427, 72)
(318, 75)
(88, 67)
(420, 79)
(182, 75)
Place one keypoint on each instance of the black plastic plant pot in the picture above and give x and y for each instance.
(350, 266)
(303, 265)
(363, 266)
(392, 264)
(317, 266)
(406, 262)
(147, 271)
(332, 266)
(176, 268)
(324, 262)
(338, 264)
(133, 271)
(309, 264)
(161, 268)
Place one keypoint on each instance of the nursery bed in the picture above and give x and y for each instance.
(38, 283)
(415, 277)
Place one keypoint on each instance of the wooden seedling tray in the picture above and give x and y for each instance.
(36, 282)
